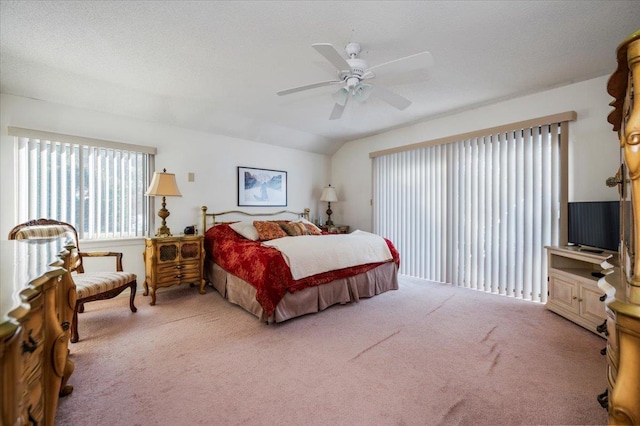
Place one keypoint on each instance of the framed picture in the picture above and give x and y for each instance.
(261, 187)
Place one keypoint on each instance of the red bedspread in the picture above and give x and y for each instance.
(265, 268)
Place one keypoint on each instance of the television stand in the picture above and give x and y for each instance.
(573, 275)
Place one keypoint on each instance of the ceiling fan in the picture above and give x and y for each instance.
(353, 72)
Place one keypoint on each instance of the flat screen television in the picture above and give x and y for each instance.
(595, 224)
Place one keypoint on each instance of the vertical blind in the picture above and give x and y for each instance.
(475, 213)
(97, 186)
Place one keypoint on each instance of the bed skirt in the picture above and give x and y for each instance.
(310, 300)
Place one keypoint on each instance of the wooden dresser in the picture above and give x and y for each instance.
(37, 297)
(622, 287)
(173, 260)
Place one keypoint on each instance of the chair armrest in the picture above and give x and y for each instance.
(117, 255)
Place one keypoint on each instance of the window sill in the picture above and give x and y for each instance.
(110, 242)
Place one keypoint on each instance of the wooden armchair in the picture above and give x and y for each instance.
(90, 286)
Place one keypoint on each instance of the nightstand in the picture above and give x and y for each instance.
(173, 260)
(335, 229)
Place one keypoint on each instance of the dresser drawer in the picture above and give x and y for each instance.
(34, 387)
(611, 376)
(32, 345)
(32, 398)
(612, 338)
(32, 358)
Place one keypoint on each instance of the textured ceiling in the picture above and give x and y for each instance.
(216, 66)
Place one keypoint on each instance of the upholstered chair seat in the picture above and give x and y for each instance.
(95, 283)
(90, 286)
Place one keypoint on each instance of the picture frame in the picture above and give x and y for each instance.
(261, 187)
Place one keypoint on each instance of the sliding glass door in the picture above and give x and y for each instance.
(476, 212)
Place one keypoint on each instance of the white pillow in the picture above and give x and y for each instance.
(303, 220)
(246, 229)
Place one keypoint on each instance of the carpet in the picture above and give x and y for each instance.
(426, 354)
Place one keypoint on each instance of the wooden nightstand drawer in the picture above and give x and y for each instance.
(173, 268)
(178, 276)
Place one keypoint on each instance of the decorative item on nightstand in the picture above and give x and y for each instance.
(163, 185)
(329, 195)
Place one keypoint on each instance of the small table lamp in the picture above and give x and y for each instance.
(329, 194)
(163, 185)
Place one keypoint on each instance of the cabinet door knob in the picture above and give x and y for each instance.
(602, 328)
(574, 297)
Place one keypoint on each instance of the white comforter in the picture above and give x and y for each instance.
(309, 255)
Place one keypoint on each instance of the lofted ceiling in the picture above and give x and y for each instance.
(215, 66)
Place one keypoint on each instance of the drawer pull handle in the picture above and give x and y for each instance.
(31, 346)
(65, 326)
(603, 399)
(179, 267)
(603, 297)
(603, 351)
(602, 328)
(32, 420)
(178, 276)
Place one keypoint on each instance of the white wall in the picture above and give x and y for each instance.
(593, 154)
(593, 146)
(213, 159)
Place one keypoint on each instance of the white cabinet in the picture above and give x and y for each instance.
(573, 284)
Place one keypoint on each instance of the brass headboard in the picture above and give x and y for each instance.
(304, 214)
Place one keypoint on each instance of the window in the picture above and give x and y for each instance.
(476, 210)
(97, 186)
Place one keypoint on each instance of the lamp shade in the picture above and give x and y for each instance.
(329, 194)
(163, 184)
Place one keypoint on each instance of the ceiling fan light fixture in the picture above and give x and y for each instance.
(352, 82)
(341, 96)
(361, 92)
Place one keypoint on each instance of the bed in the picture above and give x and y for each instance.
(267, 282)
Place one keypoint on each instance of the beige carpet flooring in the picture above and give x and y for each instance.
(426, 354)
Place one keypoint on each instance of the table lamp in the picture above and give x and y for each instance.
(163, 185)
(329, 194)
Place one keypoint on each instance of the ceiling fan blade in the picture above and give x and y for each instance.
(422, 60)
(307, 87)
(336, 112)
(367, 75)
(391, 98)
(332, 55)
